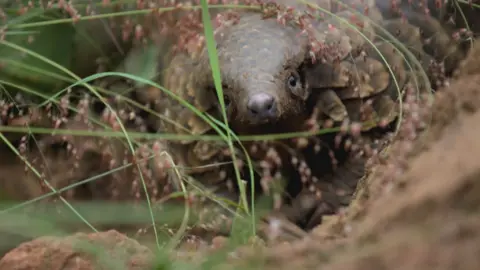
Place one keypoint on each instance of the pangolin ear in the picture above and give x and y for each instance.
(326, 75)
(321, 78)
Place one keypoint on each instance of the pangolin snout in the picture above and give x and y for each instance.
(262, 107)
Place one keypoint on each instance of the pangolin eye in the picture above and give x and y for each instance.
(226, 100)
(292, 81)
(296, 83)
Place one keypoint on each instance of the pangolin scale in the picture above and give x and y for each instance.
(273, 84)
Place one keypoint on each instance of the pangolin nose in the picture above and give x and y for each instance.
(262, 106)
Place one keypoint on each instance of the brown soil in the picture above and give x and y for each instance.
(423, 217)
(79, 252)
(426, 219)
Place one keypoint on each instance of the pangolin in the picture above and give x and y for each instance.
(280, 74)
(274, 77)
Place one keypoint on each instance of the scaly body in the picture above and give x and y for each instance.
(274, 78)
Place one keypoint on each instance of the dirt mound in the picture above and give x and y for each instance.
(430, 217)
(105, 250)
(424, 217)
